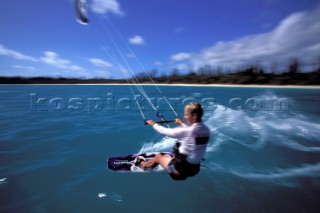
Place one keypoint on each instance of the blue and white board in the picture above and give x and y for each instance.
(126, 163)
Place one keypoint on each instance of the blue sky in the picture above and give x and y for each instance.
(43, 38)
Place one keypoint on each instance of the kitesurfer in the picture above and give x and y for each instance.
(190, 149)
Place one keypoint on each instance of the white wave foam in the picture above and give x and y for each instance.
(3, 180)
(235, 126)
(304, 171)
(163, 145)
(288, 177)
(114, 196)
(254, 129)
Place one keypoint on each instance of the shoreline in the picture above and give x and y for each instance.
(185, 85)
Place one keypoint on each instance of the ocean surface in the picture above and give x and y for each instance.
(263, 156)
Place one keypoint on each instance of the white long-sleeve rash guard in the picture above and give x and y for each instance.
(194, 139)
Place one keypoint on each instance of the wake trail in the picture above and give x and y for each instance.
(255, 136)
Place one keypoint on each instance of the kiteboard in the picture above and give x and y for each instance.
(127, 163)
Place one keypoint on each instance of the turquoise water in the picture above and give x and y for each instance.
(264, 152)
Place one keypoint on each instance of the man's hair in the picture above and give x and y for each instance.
(195, 108)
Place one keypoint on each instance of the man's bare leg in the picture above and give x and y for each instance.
(163, 160)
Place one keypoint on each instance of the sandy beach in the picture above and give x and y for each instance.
(218, 85)
(193, 85)
(241, 85)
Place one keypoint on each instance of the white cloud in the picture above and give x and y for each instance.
(100, 63)
(54, 59)
(181, 66)
(23, 67)
(181, 56)
(158, 63)
(106, 6)
(138, 40)
(296, 36)
(15, 54)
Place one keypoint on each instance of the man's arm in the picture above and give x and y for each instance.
(173, 133)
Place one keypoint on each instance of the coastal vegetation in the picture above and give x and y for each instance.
(252, 75)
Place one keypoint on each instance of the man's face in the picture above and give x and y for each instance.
(189, 117)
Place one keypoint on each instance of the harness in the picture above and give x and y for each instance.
(177, 154)
(176, 148)
(180, 163)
